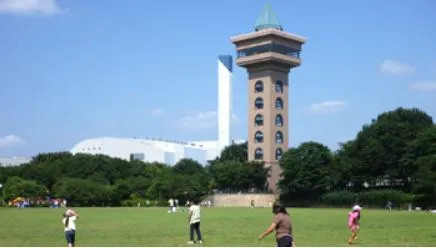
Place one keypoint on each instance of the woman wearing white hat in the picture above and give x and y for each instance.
(69, 221)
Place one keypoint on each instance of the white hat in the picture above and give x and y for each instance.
(357, 208)
(70, 212)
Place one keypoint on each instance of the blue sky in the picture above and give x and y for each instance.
(73, 69)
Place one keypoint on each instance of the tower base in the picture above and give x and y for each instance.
(274, 176)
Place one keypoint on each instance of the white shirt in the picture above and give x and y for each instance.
(171, 202)
(195, 214)
(71, 223)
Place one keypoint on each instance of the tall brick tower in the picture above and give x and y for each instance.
(268, 54)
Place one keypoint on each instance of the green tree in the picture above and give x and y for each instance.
(426, 175)
(379, 147)
(306, 170)
(235, 175)
(343, 164)
(235, 152)
(45, 172)
(9, 171)
(258, 174)
(424, 145)
(188, 167)
(82, 192)
(121, 190)
(19, 187)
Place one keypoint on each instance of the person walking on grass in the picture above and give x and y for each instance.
(194, 222)
(282, 225)
(69, 221)
(354, 223)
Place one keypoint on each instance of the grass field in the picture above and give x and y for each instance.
(220, 227)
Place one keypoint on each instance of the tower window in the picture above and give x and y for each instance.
(258, 154)
(258, 103)
(279, 137)
(279, 153)
(258, 120)
(276, 48)
(279, 86)
(279, 103)
(258, 87)
(279, 120)
(258, 137)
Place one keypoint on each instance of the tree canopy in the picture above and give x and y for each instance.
(391, 158)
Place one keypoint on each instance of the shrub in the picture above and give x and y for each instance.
(425, 201)
(379, 198)
(373, 198)
(339, 198)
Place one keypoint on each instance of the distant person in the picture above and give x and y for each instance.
(354, 223)
(69, 221)
(282, 225)
(171, 203)
(194, 222)
(252, 204)
(147, 203)
(389, 205)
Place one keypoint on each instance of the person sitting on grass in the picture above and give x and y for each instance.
(282, 225)
(354, 223)
(194, 222)
(69, 221)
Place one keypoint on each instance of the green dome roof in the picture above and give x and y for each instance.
(267, 20)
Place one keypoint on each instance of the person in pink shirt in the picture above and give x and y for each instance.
(353, 223)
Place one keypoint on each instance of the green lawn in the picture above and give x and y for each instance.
(220, 227)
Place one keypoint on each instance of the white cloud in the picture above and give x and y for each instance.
(157, 112)
(10, 140)
(203, 120)
(423, 86)
(26, 7)
(396, 68)
(329, 106)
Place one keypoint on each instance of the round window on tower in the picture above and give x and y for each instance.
(258, 120)
(258, 154)
(258, 103)
(258, 87)
(258, 137)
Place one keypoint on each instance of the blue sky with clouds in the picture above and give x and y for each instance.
(72, 69)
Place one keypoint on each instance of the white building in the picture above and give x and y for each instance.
(225, 69)
(150, 150)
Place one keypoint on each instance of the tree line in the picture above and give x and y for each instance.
(99, 180)
(393, 158)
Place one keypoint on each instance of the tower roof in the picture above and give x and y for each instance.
(268, 20)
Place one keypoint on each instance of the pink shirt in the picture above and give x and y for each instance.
(352, 218)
